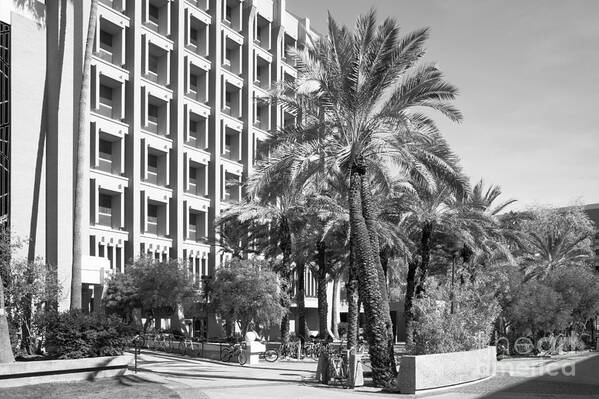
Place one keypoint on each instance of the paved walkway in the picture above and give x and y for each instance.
(528, 378)
(564, 377)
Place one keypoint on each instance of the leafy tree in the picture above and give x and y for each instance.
(248, 291)
(154, 286)
(579, 288)
(32, 287)
(439, 328)
(537, 309)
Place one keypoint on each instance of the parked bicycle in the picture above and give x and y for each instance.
(270, 355)
(231, 353)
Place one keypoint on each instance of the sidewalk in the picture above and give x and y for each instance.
(564, 377)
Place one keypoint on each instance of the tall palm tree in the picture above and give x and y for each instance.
(80, 205)
(363, 89)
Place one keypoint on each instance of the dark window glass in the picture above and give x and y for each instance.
(105, 40)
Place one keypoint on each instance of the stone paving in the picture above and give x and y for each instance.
(527, 378)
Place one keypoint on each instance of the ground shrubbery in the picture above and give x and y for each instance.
(74, 335)
(436, 329)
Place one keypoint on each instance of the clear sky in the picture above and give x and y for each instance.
(528, 74)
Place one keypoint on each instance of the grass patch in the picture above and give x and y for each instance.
(129, 387)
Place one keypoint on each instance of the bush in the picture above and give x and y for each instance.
(436, 329)
(75, 335)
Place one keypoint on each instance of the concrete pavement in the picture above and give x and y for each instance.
(570, 377)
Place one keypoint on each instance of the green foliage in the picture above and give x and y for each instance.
(555, 238)
(437, 330)
(248, 291)
(74, 334)
(155, 287)
(567, 298)
(32, 287)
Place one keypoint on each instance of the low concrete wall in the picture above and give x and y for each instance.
(45, 371)
(422, 372)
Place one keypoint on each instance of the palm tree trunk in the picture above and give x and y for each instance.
(351, 290)
(81, 204)
(6, 355)
(370, 218)
(425, 254)
(300, 299)
(322, 290)
(410, 286)
(335, 307)
(285, 245)
(375, 310)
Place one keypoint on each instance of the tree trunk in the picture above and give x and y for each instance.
(374, 307)
(351, 290)
(285, 245)
(6, 355)
(410, 287)
(370, 219)
(425, 254)
(335, 308)
(371, 224)
(302, 327)
(81, 203)
(322, 290)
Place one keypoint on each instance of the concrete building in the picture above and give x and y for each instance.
(174, 124)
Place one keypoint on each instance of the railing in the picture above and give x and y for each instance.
(105, 220)
(109, 3)
(198, 95)
(105, 110)
(195, 141)
(152, 77)
(105, 165)
(261, 125)
(105, 55)
(153, 26)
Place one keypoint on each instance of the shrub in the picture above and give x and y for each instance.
(436, 329)
(74, 335)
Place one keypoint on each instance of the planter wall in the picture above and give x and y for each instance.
(45, 371)
(422, 372)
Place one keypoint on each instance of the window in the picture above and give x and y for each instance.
(153, 13)
(193, 227)
(193, 82)
(228, 56)
(192, 173)
(153, 64)
(106, 41)
(152, 219)
(153, 168)
(153, 114)
(105, 209)
(193, 126)
(105, 95)
(105, 155)
(193, 36)
(229, 13)
(228, 97)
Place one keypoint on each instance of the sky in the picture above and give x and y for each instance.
(528, 75)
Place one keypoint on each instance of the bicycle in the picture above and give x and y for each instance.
(270, 355)
(230, 353)
(186, 347)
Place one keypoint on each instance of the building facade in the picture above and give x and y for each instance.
(174, 124)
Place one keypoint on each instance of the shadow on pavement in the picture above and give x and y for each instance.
(573, 379)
